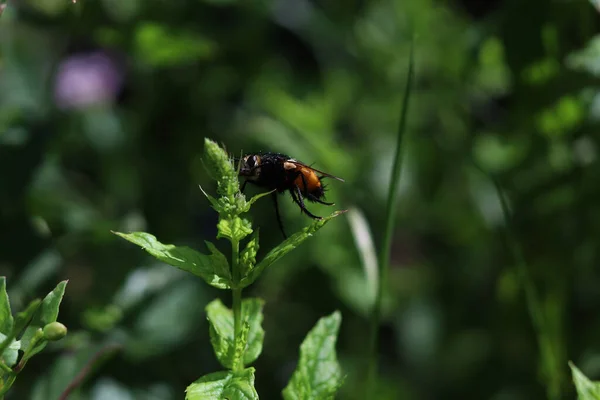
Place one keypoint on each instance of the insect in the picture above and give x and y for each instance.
(280, 173)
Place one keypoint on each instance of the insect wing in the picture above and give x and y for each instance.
(298, 163)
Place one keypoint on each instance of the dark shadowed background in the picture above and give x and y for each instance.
(104, 107)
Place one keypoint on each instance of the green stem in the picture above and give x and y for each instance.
(4, 367)
(39, 336)
(547, 346)
(8, 384)
(237, 299)
(384, 254)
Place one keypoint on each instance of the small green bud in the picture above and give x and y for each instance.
(54, 331)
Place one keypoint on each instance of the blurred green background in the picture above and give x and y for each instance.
(104, 107)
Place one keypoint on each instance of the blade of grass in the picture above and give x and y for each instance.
(548, 347)
(384, 253)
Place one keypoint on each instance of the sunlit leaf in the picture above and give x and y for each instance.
(221, 332)
(318, 374)
(213, 268)
(586, 389)
(234, 229)
(224, 385)
(285, 247)
(10, 354)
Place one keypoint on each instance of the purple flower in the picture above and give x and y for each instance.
(84, 80)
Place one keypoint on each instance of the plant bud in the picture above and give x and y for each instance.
(54, 331)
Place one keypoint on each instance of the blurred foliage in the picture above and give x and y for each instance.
(104, 107)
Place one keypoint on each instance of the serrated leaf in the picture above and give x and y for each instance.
(46, 313)
(285, 247)
(318, 374)
(222, 331)
(235, 228)
(6, 318)
(586, 389)
(11, 353)
(218, 261)
(213, 268)
(224, 385)
(248, 255)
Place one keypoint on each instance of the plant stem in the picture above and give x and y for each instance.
(547, 346)
(4, 367)
(384, 254)
(87, 369)
(237, 299)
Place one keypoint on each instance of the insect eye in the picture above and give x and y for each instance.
(252, 162)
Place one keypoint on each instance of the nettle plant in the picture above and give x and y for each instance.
(236, 334)
(27, 333)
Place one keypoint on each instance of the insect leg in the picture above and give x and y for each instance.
(298, 199)
(243, 186)
(274, 197)
(316, 200)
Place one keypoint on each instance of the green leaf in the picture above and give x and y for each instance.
(318, 374)
(235, 228)
(255, 198)
(225, 385)
(46, 313)
(21, 321)
(160, 46)
(213, 202)
(222, 331)
(10, 354)
(218, 261)
(586, 389)
(213, 268)
(24, 317)
(248, 255)
(285, 247)
(6, 318)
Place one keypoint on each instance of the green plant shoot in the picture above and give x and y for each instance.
(236, 334)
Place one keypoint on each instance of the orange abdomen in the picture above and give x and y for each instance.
(313, 184)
